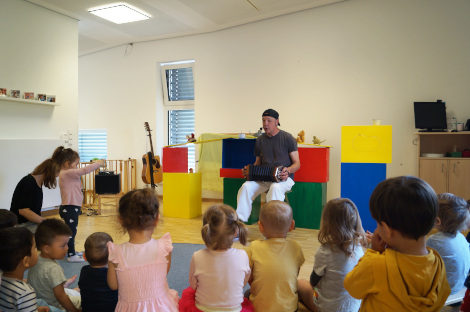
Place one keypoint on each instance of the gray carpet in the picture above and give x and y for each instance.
(178, 277)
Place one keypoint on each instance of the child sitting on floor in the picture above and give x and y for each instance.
(218, 273)
(47, 277)
(452, 217)
(341, 237)
(399, 273)
(95, 292)
(138, 268)
(275, 262)
(7, 219)
(17, 254)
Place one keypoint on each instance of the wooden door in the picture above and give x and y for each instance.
(459, 177)
(434, 171)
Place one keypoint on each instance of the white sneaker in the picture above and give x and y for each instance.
(75, 259)
(79, 253)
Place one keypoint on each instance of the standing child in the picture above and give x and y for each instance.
(138, 268)
(71, 194)
(275, 262)
(218, 273)
(47, 276)
(341, 237)
(399, 273)
(452, 217)
(94, 289)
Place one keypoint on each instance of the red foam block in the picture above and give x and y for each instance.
(314, 165)
(175, 159)
(231, 173)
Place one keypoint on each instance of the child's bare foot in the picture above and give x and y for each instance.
(70, 281)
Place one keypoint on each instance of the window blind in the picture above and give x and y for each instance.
(180, 124)
(92, 143)
(180, 84)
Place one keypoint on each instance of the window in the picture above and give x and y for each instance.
(178, 91)
(92, 143)
(180, 124)
(178, 83)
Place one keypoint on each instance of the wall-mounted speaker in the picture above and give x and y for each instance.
(108, 183)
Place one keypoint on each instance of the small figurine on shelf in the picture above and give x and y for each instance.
(317, 141)
(191, 138)
(301, 137)
(257, 134)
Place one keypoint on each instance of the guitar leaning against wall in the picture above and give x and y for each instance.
(152, 171)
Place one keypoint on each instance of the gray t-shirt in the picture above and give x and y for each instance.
(44, 276)
(333, 265)
(455, 252)
(275, 150)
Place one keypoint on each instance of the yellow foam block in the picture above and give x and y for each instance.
(182, 195)
(366, 144)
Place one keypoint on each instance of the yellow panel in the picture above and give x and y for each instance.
(182, 195)
(366, 144)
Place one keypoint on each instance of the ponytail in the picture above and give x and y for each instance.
(220, 225)
(242, 233)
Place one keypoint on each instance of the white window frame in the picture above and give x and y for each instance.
(175, 65)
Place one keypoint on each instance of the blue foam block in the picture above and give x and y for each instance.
(237, 153)
(358, 181)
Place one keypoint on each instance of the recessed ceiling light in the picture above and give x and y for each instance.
(120, 13)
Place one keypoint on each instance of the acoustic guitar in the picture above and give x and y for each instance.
(152, 171)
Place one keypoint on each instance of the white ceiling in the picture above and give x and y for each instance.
(170, 18)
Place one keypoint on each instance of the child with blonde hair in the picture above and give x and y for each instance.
(138, 268)
(398, 272)
(218, 273)
(275, 262)
(452, 217)
(341, 237)
(71, 194)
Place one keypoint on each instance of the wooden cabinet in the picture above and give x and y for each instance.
(445, 174)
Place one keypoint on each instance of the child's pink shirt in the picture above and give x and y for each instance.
(219, 277)
(71, 186)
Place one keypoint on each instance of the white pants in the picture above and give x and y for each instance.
(251, 189)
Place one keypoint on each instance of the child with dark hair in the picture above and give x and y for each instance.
(95, 292)
(218, 273)
(138, 268)
(399, 273)
(452, 217)
(47, 277)
(341, 237)
(7, 219)
(17, 254)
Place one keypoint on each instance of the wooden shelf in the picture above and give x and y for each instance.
(11, 99)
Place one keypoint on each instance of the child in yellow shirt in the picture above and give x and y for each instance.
(398, 272)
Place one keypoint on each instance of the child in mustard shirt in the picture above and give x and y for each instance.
(398, 272)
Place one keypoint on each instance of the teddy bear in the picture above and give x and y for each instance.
(301, 137)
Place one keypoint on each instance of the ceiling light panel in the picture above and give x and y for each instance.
(120, 13)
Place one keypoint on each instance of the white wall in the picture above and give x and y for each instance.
(342, 64)
(38, 53)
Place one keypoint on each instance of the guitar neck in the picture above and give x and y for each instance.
(151, 145)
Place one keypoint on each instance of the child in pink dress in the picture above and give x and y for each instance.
(138, 268)
(218, 273)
